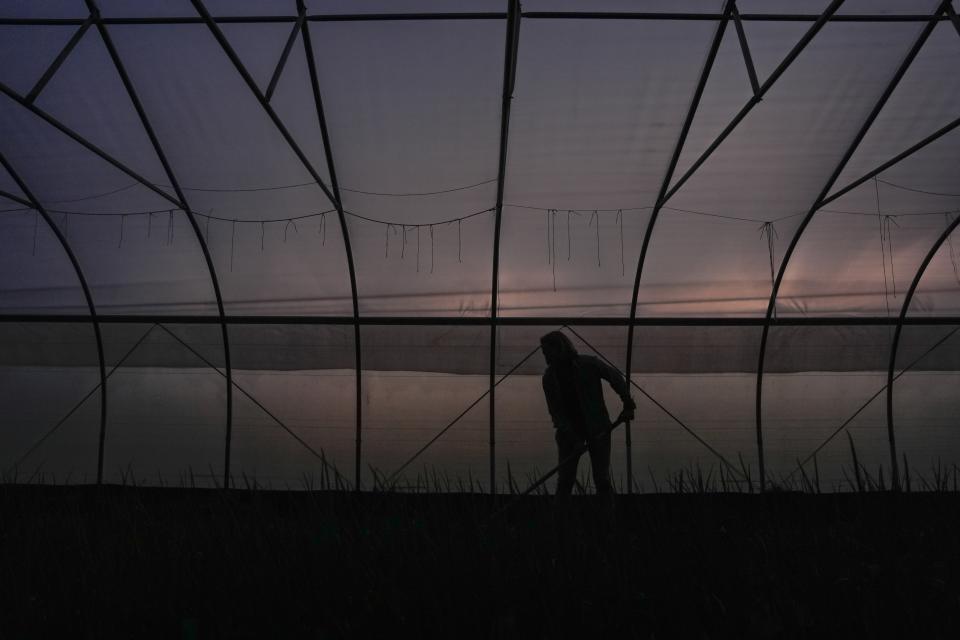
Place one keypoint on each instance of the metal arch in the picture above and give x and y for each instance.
(59, 60)
(901, 320)
(334, 183)
(158, 149)
(511, 45)
(252, 85)
(35, 204)
(688, 121)
(939, 133)
(758, 96)
(86, 144)
(855, 143)
(754, 100)
(907, 299)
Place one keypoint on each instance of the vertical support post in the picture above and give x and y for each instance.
(211, 270)
(35, 204)
(338, 203)
(817, 204)
(668, 175)
(512, 40)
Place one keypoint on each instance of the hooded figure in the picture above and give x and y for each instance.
(574, 396)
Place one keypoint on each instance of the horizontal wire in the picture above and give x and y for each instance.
(281, 188)
(915, 190)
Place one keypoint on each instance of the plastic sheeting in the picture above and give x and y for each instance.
(412, 122)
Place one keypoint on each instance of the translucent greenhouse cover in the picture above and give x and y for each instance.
(274, 240)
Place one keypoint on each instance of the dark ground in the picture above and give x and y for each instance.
(128, 562)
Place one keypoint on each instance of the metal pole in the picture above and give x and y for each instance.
(818, 203)
(328, 151)
(511, 44)
(510, 321)
(678, 148)
(252, 85)
(59, 60)
(908, 298)
(35, 204)
(490, 15)
(211, 270)
(755, 100)
(936, 135)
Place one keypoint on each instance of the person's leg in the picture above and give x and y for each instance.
(567, 444)
(600, 462)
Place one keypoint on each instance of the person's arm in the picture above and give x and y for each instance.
(618, 384)
(553, 402)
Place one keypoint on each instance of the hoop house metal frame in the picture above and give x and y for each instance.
(512, 20)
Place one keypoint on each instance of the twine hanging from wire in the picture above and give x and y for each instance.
(886, 234)
(595, 220)
(768, 230)
(122, 223)
(170, 227)
(954, 258)
(623, 267)
(287, 226)
(883, 223)
(552, 249)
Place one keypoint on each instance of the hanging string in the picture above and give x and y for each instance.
(431, 248)
(233, 242)
(36, 232)
(123, 220)
(769, 231)
(569, 213)
(150, 224)
(418, 249)
(547, 213)
(170, 227)
(403, 245)
(206, 227)
(323, 228)
(262, 233)
(286, 227)
(386, 243)
(623, 267)
(595, 219)
(954, 259)
(887, 233)
(459, 241)
(883, 248)
(553, 247)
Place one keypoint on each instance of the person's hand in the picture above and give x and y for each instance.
(629, 408)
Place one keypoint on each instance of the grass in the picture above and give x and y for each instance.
(166, 562)
(701, 556)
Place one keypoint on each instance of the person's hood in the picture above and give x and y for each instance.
(559, 343)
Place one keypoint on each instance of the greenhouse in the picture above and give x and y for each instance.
(315, 243)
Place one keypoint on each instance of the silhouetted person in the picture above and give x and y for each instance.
(574, 395)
